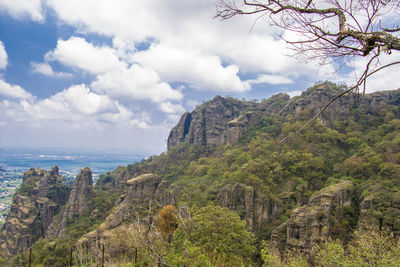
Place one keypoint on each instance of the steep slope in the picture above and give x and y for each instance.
(78, 202)
(316, 220)
(221, 120)
(337, 175)
(37, 201)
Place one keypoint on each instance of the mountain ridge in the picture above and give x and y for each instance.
(325, 181)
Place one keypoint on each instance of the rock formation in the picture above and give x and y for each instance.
(38, 199)
(140, 192)
(380, 208)
(78, 202)
(147, 191)
(257, 211)
(216, 122)
(316, 220)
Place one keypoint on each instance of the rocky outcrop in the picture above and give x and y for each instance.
(256, 210)
(216, 122)
(142, 194)
(318, 219)
(380, 207)
(139, 193)
(78, 202)
(222, 120)
(38, 199)
(315, 98)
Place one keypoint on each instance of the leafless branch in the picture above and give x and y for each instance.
(328, 31)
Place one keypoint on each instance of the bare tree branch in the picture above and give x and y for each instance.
(328, 31)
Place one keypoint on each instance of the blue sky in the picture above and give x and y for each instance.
(117, 75)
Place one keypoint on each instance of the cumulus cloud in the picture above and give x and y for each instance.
(79, 98)
(19, 9)
(77, 105)
(76, 52)
(53, 122)
(136, 83)
(385, 79)
(169, 107)
(3, 57)
(132, 20)
(193, 67)
(201, 50)
(47, 70)
(14, 91)
(156, 46)
(271, 79)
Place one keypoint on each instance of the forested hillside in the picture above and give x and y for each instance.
(232, 191)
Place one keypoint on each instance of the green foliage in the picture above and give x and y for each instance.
(362, 146)
(26, 188)
(218, 234)
(368, 248)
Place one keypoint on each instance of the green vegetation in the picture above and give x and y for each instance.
(369, 247)
(362, 146)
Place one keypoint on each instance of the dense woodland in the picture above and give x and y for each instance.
(355, 140)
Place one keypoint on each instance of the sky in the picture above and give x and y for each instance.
(117, 75)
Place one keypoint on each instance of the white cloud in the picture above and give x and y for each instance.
(169, 107)
(77, 106)
(78, 53)
(47, 70)
(135, 83)
(3, 57)
(56, 121)
(80, 99)
(14, 91)
(20, 9)
(294, 93)
(129, 19)
(385, 79)
(271, 79)
(189, 65)
(191, 45)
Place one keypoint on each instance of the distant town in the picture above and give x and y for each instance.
(9, 182)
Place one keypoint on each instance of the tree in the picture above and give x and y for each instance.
(168, 221)
(330, 30)
(217, 233)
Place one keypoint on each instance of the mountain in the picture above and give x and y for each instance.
(248, 174)
(36, 202)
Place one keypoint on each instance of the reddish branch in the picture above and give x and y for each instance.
(334, 31)
(330, 30)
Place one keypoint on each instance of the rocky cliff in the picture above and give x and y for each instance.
(224, 120)
(216, 122)
(256, 210)
(78, 202)
(143, 197)
(318, 219)
(322, 182)
(38, 199)
(140, 192)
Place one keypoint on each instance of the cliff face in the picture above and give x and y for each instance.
(256, 210)
(142, 198)
(79, 198)
(291, 173)
(140, 192)
(39, 198)
(216, 122)
(317, 219)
